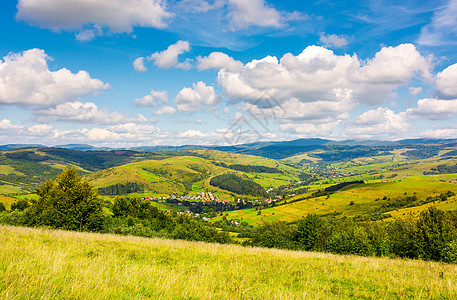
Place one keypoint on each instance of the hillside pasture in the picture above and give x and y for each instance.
(48, 264)
(358, 199)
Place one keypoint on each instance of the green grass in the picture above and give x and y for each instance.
(364, 197)
(11, 189)
(6, 170)
(47, 264)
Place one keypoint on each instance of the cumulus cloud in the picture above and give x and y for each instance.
(191, 99)
(446, 83)
(25, 79)
(310, 129)
(123, 132)
(433, 109)
(12, 133)
(153, 99)
(217, 61)
(166, 59)
(121, 135)
(443, 28)
(395, 65)
(192, 133)
(334, 40)
(138, 65)
(87, 113)
(165, 110)
(318, 83)
(85, 16)
(379, 123)
(440, 133)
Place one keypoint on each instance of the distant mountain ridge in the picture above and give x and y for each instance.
(245, 148)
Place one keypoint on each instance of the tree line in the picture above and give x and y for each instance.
(433, 236)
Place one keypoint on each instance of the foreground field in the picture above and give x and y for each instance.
(57, 264)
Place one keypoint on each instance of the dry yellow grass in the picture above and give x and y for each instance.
(48, 264)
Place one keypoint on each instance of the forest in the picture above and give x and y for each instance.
(238, 185)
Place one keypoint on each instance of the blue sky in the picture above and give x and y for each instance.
(217, 72)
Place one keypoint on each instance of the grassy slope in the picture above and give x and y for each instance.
(364, 197)
(7, 201)
(7, 187)
(178, 170)
(185, 168)
(37, 263)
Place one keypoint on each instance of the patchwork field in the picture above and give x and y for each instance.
(356, 200)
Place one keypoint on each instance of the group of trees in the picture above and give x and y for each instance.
(121, 188)
(71, 203)
(237, 185)
(433, 236)
(253, 168)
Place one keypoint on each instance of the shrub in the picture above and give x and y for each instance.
(273, 235)
(20, 205)
(310, 232)
(435, 229)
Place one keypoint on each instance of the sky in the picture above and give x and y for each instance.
(126, 73)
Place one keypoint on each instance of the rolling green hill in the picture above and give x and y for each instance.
(192, 174)
(360, 200)
(290, 184)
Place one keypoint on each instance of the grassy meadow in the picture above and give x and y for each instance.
(50, 264)
(365, 199)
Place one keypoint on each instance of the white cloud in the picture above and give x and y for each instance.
(443, 28)
(153, 99)
(310, 129)
(433, 109)
(5, 124)
(395, 65)
(11, 133)
(192, 134)
(41, 130)
(379, 123)
(117, 16)
(440, 133)
(87, 113)
(26, 80)
(253, 13)
(138, 65)
(87, 35)
(318, 83)
(217, 61)
(127, 134)
(167, 58)
(165, 110)
(446, 83)
(191, 99)
(334, 40)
